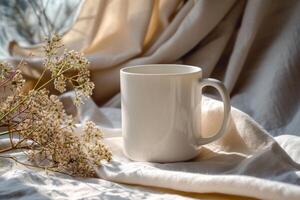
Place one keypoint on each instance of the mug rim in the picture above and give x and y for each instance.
(192, 70)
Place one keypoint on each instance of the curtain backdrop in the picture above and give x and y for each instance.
(252, 46)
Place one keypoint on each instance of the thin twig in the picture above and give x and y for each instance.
(40, 78)
(35, 166)
(41, 87)
(10, 137)
(4, 133)
(5, 150)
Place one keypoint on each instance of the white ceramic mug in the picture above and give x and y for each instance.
(159, 103)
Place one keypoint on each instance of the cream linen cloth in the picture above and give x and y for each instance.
(246, 162)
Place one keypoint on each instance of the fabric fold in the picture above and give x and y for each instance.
(247, 161)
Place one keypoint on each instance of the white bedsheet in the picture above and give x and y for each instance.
(246, 162)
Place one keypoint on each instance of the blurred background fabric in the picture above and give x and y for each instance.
(252, 46)
(28, 22)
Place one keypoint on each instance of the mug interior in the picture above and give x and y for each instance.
(161, 69)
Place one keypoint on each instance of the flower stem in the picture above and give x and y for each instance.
(4, 133)
(14, 108)
(42, 75)
(41, 87)
(35, 166)
(5, 150)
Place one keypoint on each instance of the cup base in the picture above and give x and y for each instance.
(153, 159)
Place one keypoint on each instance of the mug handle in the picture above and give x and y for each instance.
(226, 100)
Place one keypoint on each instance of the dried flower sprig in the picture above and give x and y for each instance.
(70, 67)
(40, 121)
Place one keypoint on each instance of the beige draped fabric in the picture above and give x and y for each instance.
(253, 46)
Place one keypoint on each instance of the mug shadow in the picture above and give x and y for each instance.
(207, 162)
